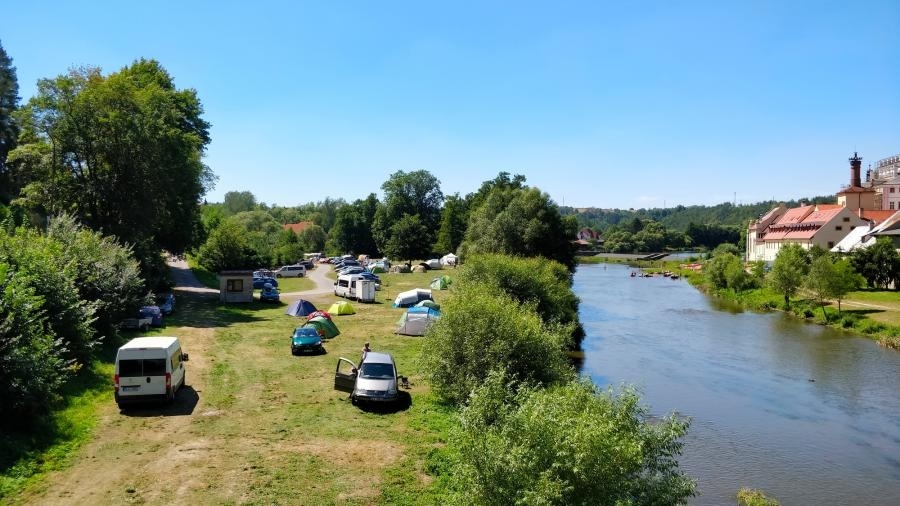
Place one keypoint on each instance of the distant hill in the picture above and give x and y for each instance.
(679, 217)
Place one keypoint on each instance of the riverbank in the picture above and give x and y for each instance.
(871, 313)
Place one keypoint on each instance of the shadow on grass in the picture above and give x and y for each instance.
(861, 312)
(199, 311)
(185, 401)
(403, 403)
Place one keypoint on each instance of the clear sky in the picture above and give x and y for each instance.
(600, 104)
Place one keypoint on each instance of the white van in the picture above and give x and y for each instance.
(291, 271)
(345, 285)
(149, 368)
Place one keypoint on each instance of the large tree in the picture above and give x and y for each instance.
(125, 154)
(9, 130)
(788, 271)
(351, 231)
(520, 222)
(406, 223)
(452, 231)
(879, 264)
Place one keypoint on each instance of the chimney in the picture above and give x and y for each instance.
(855, 165)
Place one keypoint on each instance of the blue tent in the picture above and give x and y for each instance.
(301, 307)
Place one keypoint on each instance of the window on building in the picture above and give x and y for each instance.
(893, 189)
(891, 205)
(846, 219)
(234, 285)
(838, 227)
(830, 244)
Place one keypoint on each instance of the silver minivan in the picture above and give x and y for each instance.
(374, 380)
(291, 271)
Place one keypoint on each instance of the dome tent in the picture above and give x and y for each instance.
(341, 307)
(300, 307)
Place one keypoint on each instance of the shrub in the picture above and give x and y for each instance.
(568, 444)
(870, 327)
(751, 497)
(848, 321)
(483, 330)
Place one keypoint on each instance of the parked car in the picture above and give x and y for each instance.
(352, 269)
(291, 271)
(154, 313)
(259, 282)
(166, 303)
(374, 380)
(306, 339)
(142, 323)
(269, 293)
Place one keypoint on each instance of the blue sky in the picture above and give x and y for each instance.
(599, 104)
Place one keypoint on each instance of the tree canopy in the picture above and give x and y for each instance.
(9, 129)
(122, 153)
(406, 223)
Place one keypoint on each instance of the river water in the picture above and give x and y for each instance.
(810, 415)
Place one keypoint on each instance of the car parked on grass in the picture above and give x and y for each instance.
(306, 340)
(374, 380)
(291, 271)
(269, 293)
(154, 313)
(166, 303)
(259, 282)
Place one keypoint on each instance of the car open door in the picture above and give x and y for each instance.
(345, 375)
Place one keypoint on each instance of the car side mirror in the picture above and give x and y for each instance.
(184, 356)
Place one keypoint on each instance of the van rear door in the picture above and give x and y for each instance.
(142, 376)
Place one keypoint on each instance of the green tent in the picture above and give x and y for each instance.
(377, 269)
(441, 283)
(341, 307)
(325, 327)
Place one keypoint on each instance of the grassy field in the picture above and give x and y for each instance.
(257, 425)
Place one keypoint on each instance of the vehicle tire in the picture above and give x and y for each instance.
(171, 399)
(354, 401)
(278, 275)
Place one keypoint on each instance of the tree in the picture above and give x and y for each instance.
(408, 195)
(238, 202)
(125, 155)
(484, 329)
(569, 444)
(829, 279)
(788, 271)
(227, 248)
(502, 181)
(879, 264)
(352, 228)
(453, 225)
(9, 129)
(519, 222)
(724, 271)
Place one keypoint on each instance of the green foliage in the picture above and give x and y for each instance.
(484, 329)
(726, 248)
(106, 273)
(788, 271)
(829, 279)
(519, 222)
(32, 368)
(238, 202)
(227, 248)
(40, 262)
(405, 225)
(569, 444)
(9, 128)
(879, 264)
(123, 152)
(545, 283)
(750, 497)
(454, 217)
(724, 271)
(352, 229)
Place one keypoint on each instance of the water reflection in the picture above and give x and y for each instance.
(809, 414)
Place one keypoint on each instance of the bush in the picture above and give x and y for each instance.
(750, 497)
(848, 321)
(570, 444)
(870, 327)
(483, 330)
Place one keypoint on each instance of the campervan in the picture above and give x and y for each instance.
(149, 368)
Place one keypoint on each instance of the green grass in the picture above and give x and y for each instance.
(751, 497)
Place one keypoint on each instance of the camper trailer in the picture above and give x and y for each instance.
(354, 286)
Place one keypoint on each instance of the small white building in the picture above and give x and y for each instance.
(236, 286)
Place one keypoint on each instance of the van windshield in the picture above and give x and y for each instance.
(377, 371)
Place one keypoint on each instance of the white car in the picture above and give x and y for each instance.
(291, 271)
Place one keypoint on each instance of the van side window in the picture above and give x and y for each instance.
(176, 359)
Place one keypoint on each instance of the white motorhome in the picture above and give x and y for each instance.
(345, 285)
(149, 368)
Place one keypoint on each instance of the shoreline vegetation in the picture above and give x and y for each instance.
(871, 313)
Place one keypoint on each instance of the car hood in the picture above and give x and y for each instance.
(375, 384)
(305, 340)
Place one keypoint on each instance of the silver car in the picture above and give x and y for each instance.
(374, 380)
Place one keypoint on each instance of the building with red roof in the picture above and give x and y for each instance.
(298, 227)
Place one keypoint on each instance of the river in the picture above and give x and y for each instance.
(808, 414)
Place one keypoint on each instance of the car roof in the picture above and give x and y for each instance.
(308, 330)
(374, 357)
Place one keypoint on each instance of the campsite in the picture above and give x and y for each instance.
(256, 422)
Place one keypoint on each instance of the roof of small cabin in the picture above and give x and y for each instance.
(298, 227)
